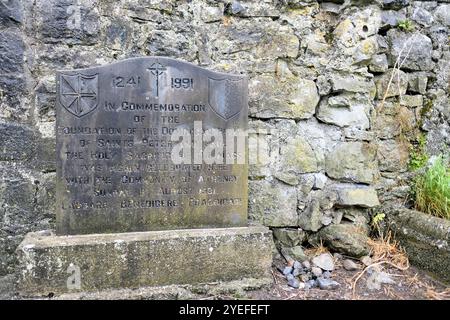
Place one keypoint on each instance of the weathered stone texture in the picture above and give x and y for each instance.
(143, 259)
(425, 239)
(318, 72)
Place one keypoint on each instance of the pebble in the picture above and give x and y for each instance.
(366, 260)
(287, 270)
(297, 272)
(311, 284)
(326, 274)
(306, 265)
(327, 284)
(294, 283)
(297, 265)
(289, 277)
(324, 261)
(305, 277)
(349, 265)
(316, 271)
(337, 256)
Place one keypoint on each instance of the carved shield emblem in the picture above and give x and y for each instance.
(226, 97)
(78, 93)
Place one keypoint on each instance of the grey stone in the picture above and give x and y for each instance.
(324, 261)
(422, 16)
(65, 23)
(297, 156)
(391, 18)
(417, 82)
(392, 83)
(103, 260)
(236, 7)
(442, 13)
(320, 180)
(379, 63)
(287, 270)
(291, 97)
(212, 14)
(311, 218)
(337, 256)
(311, 284)
(327, 284)
(11, 12)
(366, 260)
(305, 277)
(11, 51)
(297, 272)
(12, 90)
(276, 205)
(296, 253)
(18, 142)
(351, 83)
(355, 115)
(294, 283)
(289, 277)
(395, 4)
(297, 265)
(306, 264)
(349, 265)
(316, 271)
(82, 97)
(412, 101)
(414, 50)
(354, 195)
(326, 275)
(346, 238)
(424, 238)
(376, 279)
(357, 134)
(352, 161)
(393, 156)
(324, 86)
(289, 237)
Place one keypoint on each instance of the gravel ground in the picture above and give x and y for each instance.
(410, 284)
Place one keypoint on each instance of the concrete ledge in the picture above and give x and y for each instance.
(425, 239)
(51, 264)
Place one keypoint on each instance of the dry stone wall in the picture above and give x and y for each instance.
(339, 92)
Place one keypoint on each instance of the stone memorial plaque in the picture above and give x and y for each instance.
(116, 131)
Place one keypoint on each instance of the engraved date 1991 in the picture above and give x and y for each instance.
(135, 81)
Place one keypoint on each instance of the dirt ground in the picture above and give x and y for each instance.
(412, 284)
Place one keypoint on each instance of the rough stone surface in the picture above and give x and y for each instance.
(349, 265)
(351, 195)
(327, 284)
(324, 262)
(392, 83)
(413, 50)
(277, 205)
(346, 238)
(425, 239)
(352, 161)
(103, 260)
(289, 237)
(285, 98)
(317, 71)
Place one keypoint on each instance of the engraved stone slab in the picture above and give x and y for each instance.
(115, 168)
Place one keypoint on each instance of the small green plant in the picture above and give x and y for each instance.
(406, 25)
(376, 222)
(431, 189)
(418, 156)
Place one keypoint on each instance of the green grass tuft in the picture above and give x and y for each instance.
(418, 156)
(406, 25)
(432, 189)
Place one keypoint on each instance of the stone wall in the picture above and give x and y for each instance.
(338, 135)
